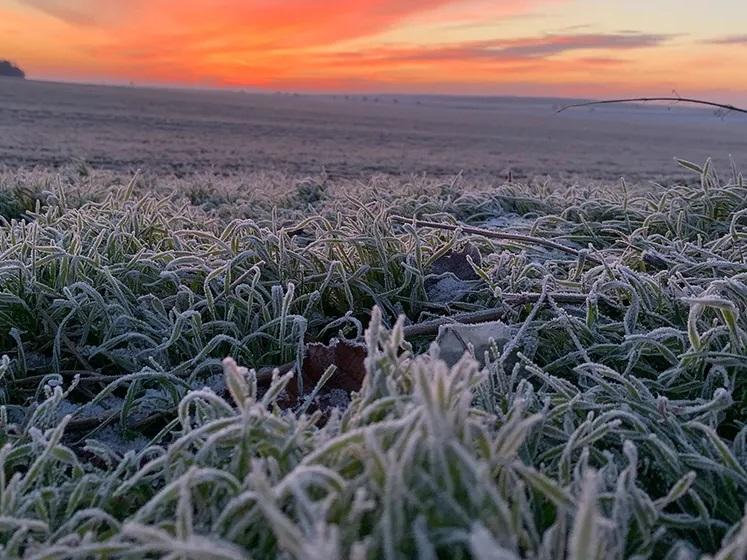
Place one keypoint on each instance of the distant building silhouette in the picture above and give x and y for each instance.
(10, 70)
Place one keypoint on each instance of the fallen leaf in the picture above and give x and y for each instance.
(450, 276)
(457, 264)
(456, 339)
(347, 356)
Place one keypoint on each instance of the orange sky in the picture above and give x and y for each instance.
(538, 47)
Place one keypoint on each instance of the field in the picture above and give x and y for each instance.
(353, 138)
(585, 396)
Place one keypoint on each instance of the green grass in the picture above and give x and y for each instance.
(612, 428)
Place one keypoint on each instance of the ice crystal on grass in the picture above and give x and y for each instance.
(140, 416)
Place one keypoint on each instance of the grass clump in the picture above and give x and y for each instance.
(611, 425)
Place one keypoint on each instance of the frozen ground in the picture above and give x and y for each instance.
(171, 131)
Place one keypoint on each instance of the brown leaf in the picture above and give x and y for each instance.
(451, 274)
(347, 356)
(456, 262)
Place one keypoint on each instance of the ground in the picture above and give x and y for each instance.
(263, 363)
(165, 131)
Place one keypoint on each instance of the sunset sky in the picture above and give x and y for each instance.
(534, 47)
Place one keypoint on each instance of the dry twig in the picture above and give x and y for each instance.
(501, 235)
(723, 106)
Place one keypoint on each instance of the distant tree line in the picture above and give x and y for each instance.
(10, 70)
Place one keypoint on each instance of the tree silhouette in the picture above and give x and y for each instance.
(10, 70)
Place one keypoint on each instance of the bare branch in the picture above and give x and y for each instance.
(500, 235)
(647, 99)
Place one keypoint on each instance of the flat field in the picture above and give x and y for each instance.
(222, 358)
(173, 131)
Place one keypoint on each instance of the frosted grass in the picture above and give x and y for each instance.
(134, 423)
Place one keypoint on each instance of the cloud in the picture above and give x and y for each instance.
(602, 61)
(557, 44)
(728, 40)
(254, 41)
(506, 50)
(317, 44)
(296, 20)
(78, 12)
(268, 23)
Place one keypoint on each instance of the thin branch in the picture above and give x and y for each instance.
(647, 99)
(495, 235)
(427, 328)
(85, 377)
(95, 422)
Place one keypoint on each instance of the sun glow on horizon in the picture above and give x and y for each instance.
(549, 47)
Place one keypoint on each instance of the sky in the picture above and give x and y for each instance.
(578, 48)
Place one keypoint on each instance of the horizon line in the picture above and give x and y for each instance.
(259, 90)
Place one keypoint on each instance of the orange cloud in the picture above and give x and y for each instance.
(413, 45)
(239, 23)
(507, 49)
(82, 12)
(200, 41)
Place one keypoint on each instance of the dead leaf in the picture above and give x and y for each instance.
(450, 276)
(347, 356)
(457, 264)
(456, 339)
